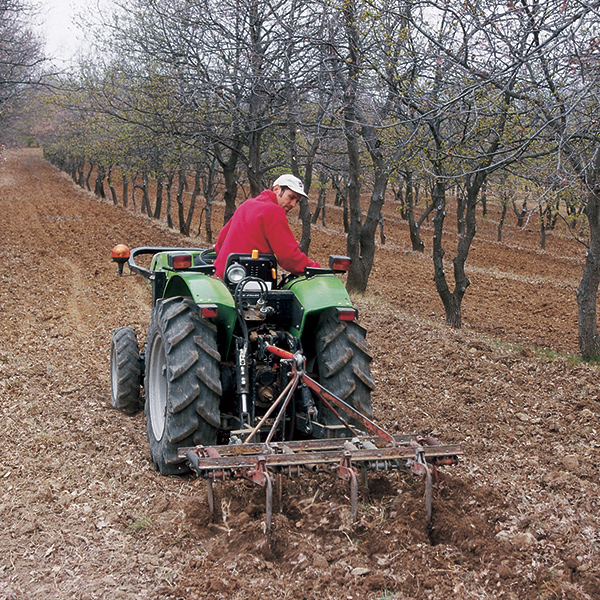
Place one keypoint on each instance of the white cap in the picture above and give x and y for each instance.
(291, 182)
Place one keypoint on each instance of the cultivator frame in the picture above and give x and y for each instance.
(370, 448)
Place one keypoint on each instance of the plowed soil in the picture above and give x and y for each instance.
(85, 516)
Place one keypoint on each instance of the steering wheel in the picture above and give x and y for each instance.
(285, 280)
(208, 256)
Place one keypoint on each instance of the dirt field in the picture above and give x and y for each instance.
(84, 515)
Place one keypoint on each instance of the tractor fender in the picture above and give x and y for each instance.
(316, 294)
(207, 290)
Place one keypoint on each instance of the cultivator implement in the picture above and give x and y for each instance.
(366, 447)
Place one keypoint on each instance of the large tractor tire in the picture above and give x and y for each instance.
(183, 385)
(125, 371)
(343, 362)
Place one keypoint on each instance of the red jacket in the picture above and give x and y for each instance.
(261, 224)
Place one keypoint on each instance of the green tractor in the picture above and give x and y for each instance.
(211, 369)
(257, 377)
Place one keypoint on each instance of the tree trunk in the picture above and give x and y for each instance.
(111, 188)
(339, 195)
(99, 183)
(81, 174)
(453, 305)
(231, 186)
(125, 188)
(453, 313)
(309, 165)
(414, 227)
(358, 280)
(322, 199)
(484, 199)
(589, 341)
(159, 196)
(382, 235)
(145, 194)
(462, 282)
(356, 276)
(317, 212)
(169, 187)
(501, 222)
(292, 113)
(180, 189)
(305, 216)
(87, 178)
(341, 199)
(187, 226)
(542, 228)
(254, 158)
(137, 186)
(73, 171)
(461, 203)
(305, 213)
(145, 206)
(209, 185)
(520, 213)
(400, 199)
(415, 233)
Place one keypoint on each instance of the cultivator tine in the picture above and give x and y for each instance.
(269, 505)
(428, 492)
(279, 483)
(210, 496)
(346, 471)
(420, 467)
(261, 476)
(354, 496)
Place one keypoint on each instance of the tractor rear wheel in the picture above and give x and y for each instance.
(183, 385)
(125, 371)
(343, 361)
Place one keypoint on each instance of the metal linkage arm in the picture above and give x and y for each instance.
(330, 400)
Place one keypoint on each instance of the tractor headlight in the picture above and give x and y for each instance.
(235, 273)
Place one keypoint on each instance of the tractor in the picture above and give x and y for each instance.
(255, 375)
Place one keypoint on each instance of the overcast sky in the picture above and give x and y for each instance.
(59, 18)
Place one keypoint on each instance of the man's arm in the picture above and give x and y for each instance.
(285, 247)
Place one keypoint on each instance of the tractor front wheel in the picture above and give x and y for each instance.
(183, 385)
(125, 371)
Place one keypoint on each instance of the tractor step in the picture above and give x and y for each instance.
(266, 463)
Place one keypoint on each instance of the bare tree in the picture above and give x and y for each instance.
(450, 92)
(21, 56)
(564, 78)
(467, 93)
(366, 93)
